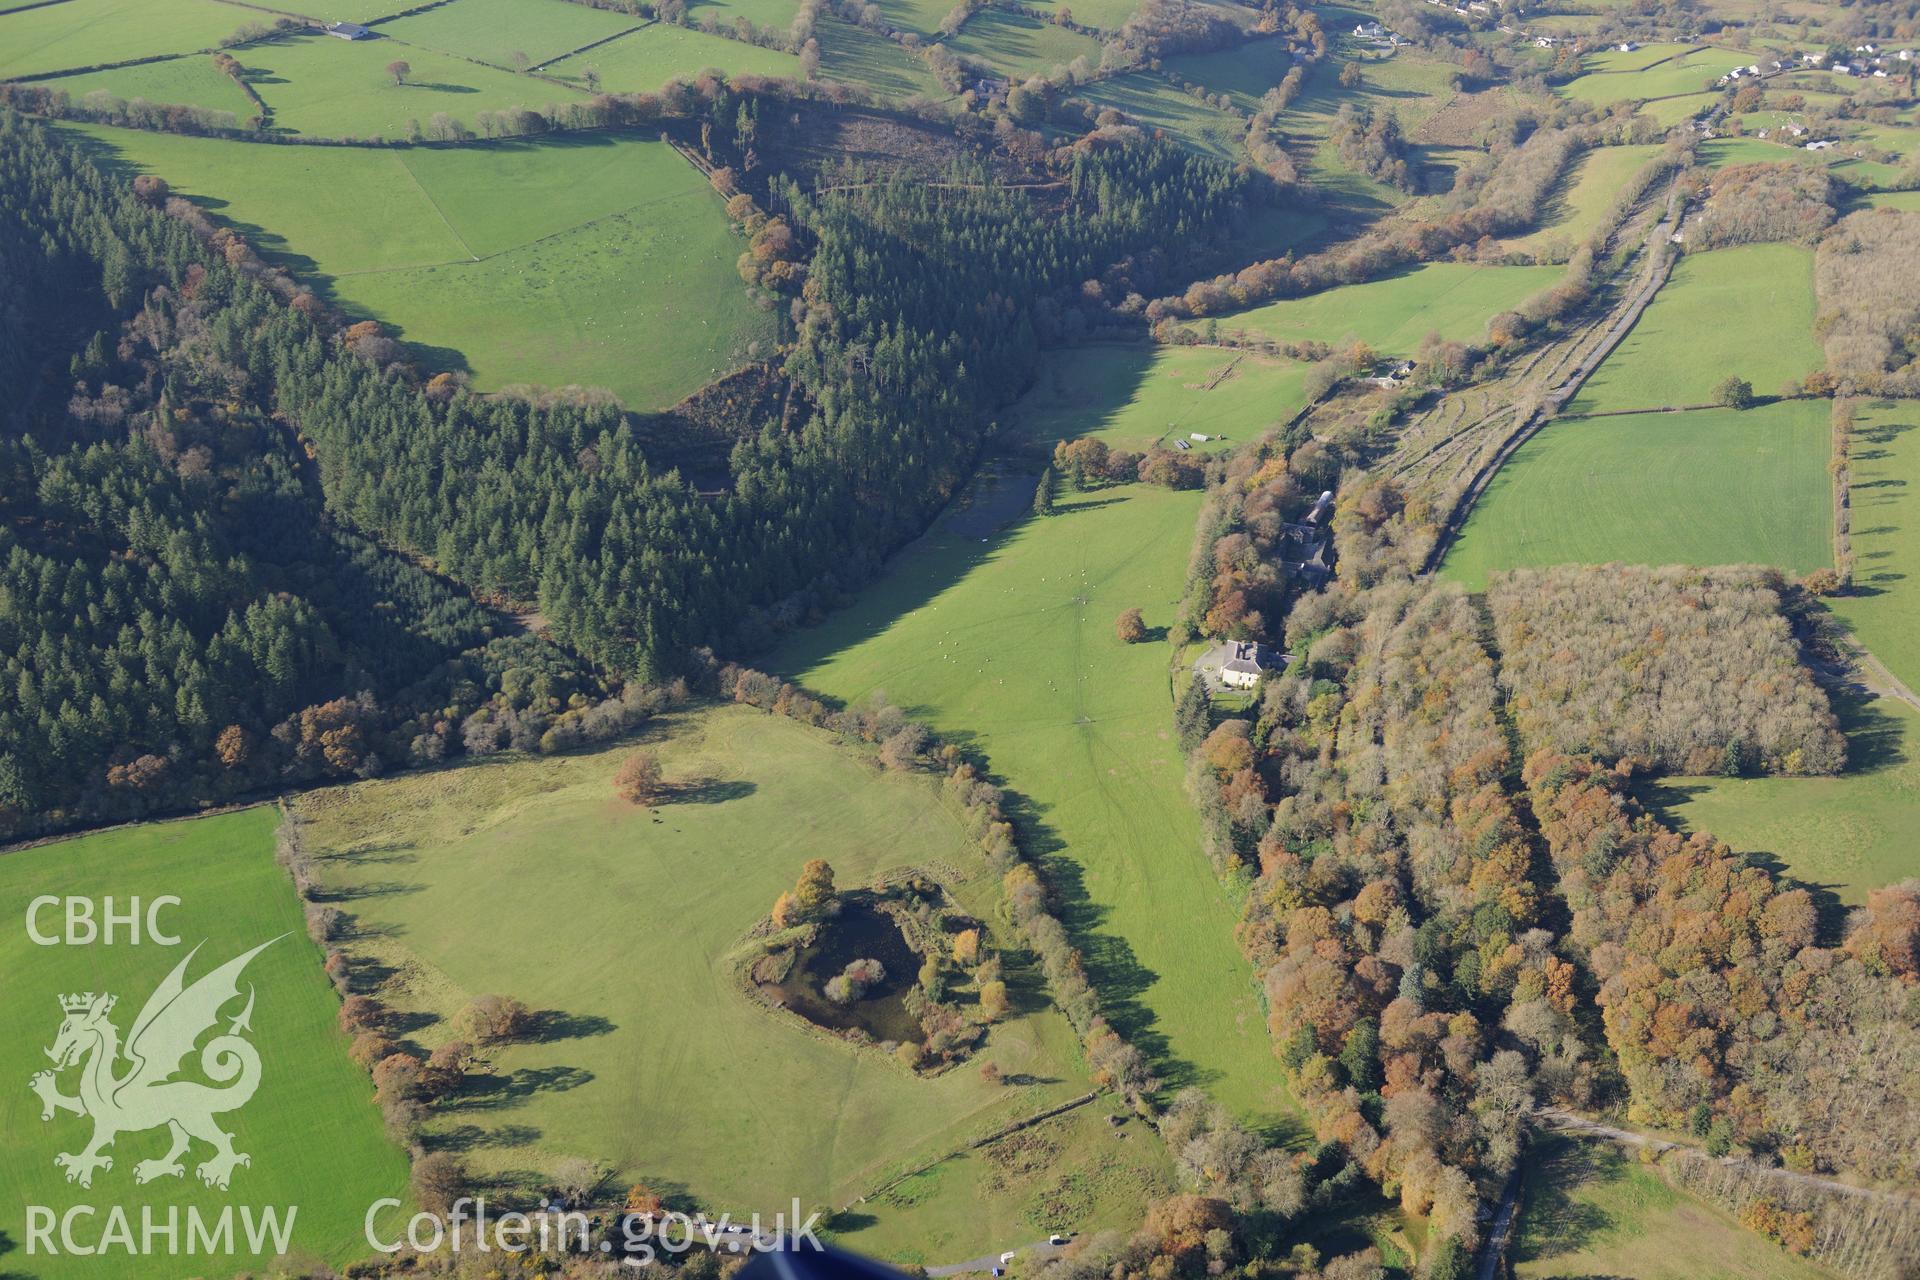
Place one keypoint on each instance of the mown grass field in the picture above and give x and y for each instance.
(193, 81)
(644, 60)
(321, 86)
(530, 877)
(1134, 397)
(1688, 74)
(506, 33)
(91, 33)
(854, 55)
(1006, 640)
(1713, 486)
(1574, 211)
(1746, 311)
(1591, 1211)
(1392, 315)
(1883, 609)
(312, 1130)
(595, 259)
(1019, 46)
(1842, 835)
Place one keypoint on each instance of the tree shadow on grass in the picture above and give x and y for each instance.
(472, 1137)
(708, 791)
(484, 1091)
(550, 1025)
(1554, 1221)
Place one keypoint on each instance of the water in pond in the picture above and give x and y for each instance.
(859, 932)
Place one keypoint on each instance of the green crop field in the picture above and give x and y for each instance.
(192, 81)
(1019, 46)
(340, 88)
(469, 253)
(646, 59)
(312, 1130)
(1883, 608)
(506, 33)
(91, 33)
(1591, 1211)
(1842, 835)
(1007, 640)
(1392, 315)
(1133, 397)
(1746, 311)
(1153, 104)
(1690, 74)
(854, 55)
(677, 1077)
(1712, 486)
(1574, 212)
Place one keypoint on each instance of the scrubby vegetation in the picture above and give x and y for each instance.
(1868, 312)
(1688, 670)
(1748, 203)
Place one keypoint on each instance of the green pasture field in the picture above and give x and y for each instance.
(1004, 638)
(345, 10)
(854, 55)
(1894, 200)
(528, 876)
(312, 1130)
(777, 14)
(1860, 172)
(191, 81)
(1019, 46)
(625, 280)
(1110, 15)
(91, 33)
(646, 59)
(1134, 396)
(1411, 87)
(922, 16)
(1612, 59)
(1668, 112)
(1574, 211)
(1746, 311)
(331, 211)
(1592, 1210)
(1690, 74)
(1244, 72)
(507, 33)
(1711, 486)
(1392, 315)
(1841, 836)
(340, 88)
(1153, 104)
(1883, 607)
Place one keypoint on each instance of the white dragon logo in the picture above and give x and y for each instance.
(146, 1096)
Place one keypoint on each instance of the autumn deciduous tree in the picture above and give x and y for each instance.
(232, 746)
(811, 898)
(1886, 932)
(439, 1178)
(853, 982)
(638, 779)
(644, 1201)
(398, 70)
(1130, 627)
(993, 1001)
(361, 1013)
(1734, 393)
(494, 1017)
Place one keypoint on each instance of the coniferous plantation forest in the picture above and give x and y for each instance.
(1151, 640)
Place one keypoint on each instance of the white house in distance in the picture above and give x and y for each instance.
(1370, 31)
(349, 31)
